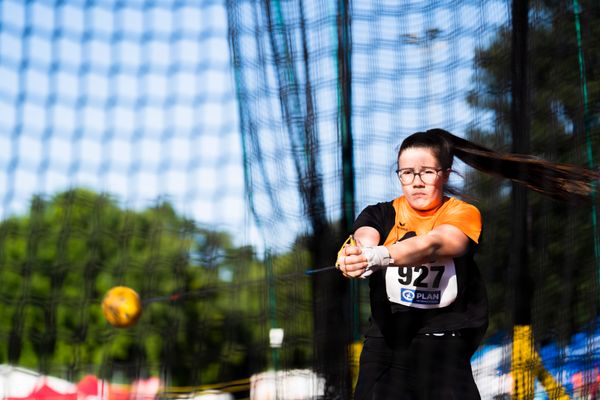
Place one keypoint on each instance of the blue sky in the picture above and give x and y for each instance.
(137, 99)
(131, 100)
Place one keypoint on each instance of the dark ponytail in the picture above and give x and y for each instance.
(559, 181)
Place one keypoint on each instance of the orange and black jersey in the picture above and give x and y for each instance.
(452, 211)
(418, 308)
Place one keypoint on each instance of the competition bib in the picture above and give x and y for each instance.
(430, 285)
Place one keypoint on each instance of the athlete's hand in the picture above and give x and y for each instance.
(352, 262)
(363, 261)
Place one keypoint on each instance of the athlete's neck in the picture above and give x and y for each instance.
(431, 211)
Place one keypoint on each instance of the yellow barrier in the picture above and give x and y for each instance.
(354, 351)
(526, 365)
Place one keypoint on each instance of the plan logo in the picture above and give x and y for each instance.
(420, 296)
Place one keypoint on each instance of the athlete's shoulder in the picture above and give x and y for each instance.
(464, 216)
(461, 205)
(380, 216)
(383, 206)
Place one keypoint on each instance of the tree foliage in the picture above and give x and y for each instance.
(58, 261)
(563, 266)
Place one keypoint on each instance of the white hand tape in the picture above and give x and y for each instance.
(377, 258)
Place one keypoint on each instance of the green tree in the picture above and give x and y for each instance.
(563, 266)
(210, 325)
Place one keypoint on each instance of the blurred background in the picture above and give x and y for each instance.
(207, 153)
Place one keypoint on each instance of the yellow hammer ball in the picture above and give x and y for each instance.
(121, 306)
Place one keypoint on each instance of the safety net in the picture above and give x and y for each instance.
(209, 158)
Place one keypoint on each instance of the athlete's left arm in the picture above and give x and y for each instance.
(450, 238)
(443, 241)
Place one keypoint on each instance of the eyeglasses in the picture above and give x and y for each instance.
(427, 175)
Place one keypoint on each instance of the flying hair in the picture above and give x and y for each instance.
(557, 180)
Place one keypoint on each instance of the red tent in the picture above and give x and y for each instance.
(89, 385)
(45, 392)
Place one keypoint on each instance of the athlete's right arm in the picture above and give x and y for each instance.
(366, 236)
(372, 222)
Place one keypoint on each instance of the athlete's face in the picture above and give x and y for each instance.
(422, 178)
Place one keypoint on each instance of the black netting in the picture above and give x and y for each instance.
(207, 154)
